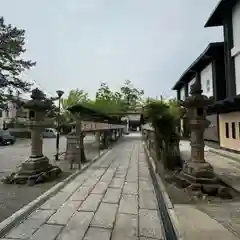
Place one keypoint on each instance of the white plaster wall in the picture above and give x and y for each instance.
(236, 42)
(11, 112)
(230, 142)
(190, 84)
(207, 77)
(182, 93)
(237, 73)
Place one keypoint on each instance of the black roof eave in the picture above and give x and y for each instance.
(225, 106)
(202, 58)
(216, 18)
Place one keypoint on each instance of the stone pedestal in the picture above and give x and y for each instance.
(37, 168)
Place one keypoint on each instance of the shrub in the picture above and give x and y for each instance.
(164, 118)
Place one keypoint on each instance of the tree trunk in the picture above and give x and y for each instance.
(158, 149)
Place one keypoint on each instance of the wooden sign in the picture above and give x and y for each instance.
(93, 126)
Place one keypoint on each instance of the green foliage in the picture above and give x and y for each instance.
(106, 101)
(111, 102)
(131, 95)
(175, 109)
(108, 107)
(12, 41)
(163, 115)
(76, 96)
(104, 93)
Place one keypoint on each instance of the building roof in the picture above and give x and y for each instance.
(212, 50)
(231, 104)
(216, 18)
(90, 114)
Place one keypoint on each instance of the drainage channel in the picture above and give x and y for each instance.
(170, 233)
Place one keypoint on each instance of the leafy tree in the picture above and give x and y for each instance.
(175, 109)
(131, 95)
(164, 117)
(104, 93)
(117, 102)
(107, 101)
(74, 97)
(12, 65)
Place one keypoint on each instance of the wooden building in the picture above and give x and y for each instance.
(227, 15)
(209, 70)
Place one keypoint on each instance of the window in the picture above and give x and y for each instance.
(227, 130)
(233, 130)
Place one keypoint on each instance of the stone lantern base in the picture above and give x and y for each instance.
(33, 171)
(200, 177)
(199, 172)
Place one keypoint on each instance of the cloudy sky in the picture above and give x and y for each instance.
(79, 43)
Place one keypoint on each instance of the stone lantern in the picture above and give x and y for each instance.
(197, 170)
(37, 168)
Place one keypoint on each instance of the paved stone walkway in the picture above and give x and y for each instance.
(114, 199)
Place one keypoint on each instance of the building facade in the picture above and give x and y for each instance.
(208, 69)
(13, 112)
(227, 15)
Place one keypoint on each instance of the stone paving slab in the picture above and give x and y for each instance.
(98, 234)
(29, 226)
(100, 188)
(126, 227)
(77, 226)
(47, 232)
(149, 224)
(117, 182)
(147, 200)
(129, 204)
(62, 216)
(108, 201)
(57, 201)
(130, 188)
(81, 194)
(112, 195)
(91, 203)
(105, 215)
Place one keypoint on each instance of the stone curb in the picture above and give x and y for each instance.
(223, 154)
(7, 224)
(166, 199)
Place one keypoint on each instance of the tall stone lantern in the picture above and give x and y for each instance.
(37, 167)
(197, 170)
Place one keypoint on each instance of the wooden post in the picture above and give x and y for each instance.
(97, 137)
(79, 140)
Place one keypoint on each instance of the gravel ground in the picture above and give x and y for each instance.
(14, 197)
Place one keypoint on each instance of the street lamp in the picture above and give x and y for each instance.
(59, 93)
